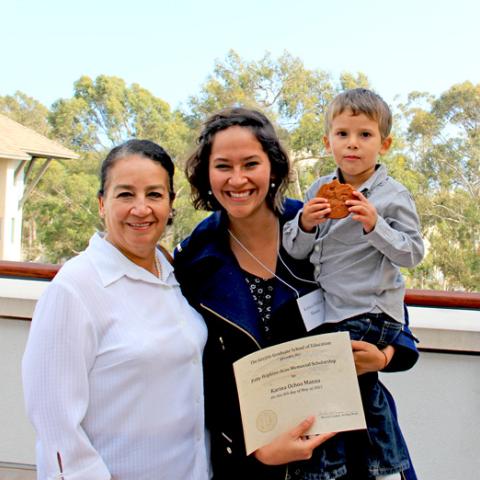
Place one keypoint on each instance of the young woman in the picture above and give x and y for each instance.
(234, 270)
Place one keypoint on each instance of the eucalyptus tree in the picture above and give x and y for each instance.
(106, 111)
(292, 95)
(26, 111)
(444, 140)
(62, 213)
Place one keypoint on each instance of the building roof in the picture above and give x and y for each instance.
(21, 143)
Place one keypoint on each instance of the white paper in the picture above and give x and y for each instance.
(280, 386)
(312, 309)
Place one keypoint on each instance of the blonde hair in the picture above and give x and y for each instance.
(361, 100)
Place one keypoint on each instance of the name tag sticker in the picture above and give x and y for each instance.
(312, 309)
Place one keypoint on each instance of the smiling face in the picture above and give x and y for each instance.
(355, 142)
(136, 206)
(239, 172)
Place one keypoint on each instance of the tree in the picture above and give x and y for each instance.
(185, 216)
(444, 140)
(62, 213)
(291, 95)
(294, 97)
(105, 112)
(27, 111)
(435, 154)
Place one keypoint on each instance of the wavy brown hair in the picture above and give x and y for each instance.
(197, 170)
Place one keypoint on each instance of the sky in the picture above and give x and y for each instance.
(170, 46)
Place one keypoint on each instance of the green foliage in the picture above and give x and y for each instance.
(62, 214)
(444, 141)
(349, 81)
(70, 125)
(292, 96)
(105, 112)
(27, 111)
(455, 238)
(185, 217)
(151, 118)
(435, 154)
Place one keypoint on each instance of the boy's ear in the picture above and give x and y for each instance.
(326, 142)
(386, 144)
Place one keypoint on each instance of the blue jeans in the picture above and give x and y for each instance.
(382, 446)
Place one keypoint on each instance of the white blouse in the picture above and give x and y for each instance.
(112, 373)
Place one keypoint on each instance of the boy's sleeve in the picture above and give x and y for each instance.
(397, 234)
(406, 353)
(296, 242)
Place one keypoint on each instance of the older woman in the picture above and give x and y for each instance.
(112, 368)
(235, 271)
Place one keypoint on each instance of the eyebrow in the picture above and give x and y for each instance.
(363, 129)
(223, 159)
(131, 187)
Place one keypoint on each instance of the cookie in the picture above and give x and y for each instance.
(336, 193)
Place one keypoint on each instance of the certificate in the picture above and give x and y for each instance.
(280, 386)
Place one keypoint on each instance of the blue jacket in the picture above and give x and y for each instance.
(214, 284)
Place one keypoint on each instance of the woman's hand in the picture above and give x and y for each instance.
(292, 445)
(369, 358)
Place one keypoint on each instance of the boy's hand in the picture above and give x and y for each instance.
(363, 211)
(314, 212)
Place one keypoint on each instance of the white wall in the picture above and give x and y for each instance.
(17, 442)
(438, 405)
(11, 192)
(438, 400)
(17, 298)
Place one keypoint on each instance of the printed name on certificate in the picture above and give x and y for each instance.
(280, 386)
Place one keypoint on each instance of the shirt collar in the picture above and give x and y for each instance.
(112, 265)
(378, 177)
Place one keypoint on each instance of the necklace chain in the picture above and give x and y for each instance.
(243, 247)
(246, 250)
(158, 267)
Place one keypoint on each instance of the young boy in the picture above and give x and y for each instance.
(357, 258)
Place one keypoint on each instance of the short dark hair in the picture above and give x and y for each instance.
(361, 100)
(196, 168)
(144, 148)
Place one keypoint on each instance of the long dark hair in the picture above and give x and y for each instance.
(196, 168)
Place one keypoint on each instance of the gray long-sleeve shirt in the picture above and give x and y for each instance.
(359, 272)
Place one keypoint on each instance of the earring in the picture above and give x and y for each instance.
(272, 185)
(209, 192)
